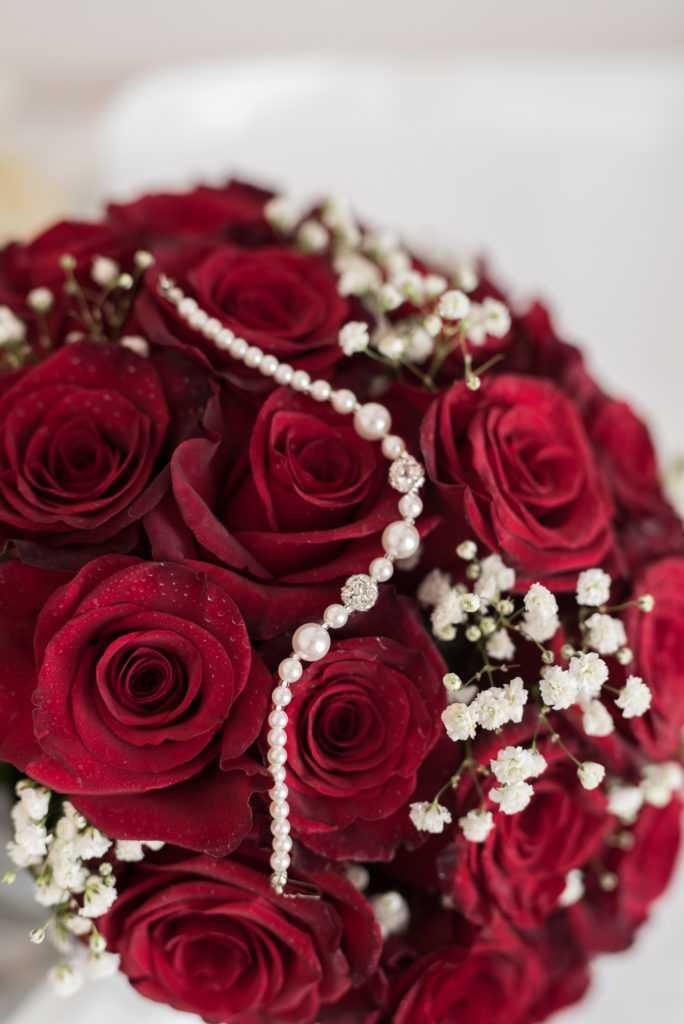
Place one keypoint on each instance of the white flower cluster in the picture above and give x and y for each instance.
(429, 817)
(659, 783)
(511, 768)
(12, 330)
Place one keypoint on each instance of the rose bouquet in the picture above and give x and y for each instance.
(341, 623)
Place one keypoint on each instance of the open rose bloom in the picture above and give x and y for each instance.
(464, 781)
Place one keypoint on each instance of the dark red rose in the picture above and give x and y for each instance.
(235, 213)
(143, 699)
(212, 938)
(605, 921)
(293, 493)
(361, 724)
(656, 640)
(519, 870)
(513, 459)
(79, 439)
(284, 301)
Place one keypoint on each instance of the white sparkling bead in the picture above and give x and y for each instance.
(359, 592)
(277, 755)
(277, 719)
(276, 738)
(335, 615)
(282, 844)
(381, 569)
(290, 670)
(311, 641)
(279, 809)
(343, 401)
(300, 380)
(410, 506)
(283, 374)
(280, 861)
(186, 307)
(198, 319)
(278, 772)
(268, 366)
(238, 348)
(372, 421)
(280, 827)
(212, 328)
(321, 390)
(281, 696)
(253, 357)
(278, 792)
(400, 539)
(224, 339)
(392, 446)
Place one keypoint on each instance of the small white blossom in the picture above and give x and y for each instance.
(596, 719)
(558, 688)
(391, 912)
(460, 722)
(47, 893)
(625, 802)
(635, 698)
(359, 876)
(540, 621)
(434, 284)
(591, 774)
(312, 236)
(574, 888)
(593, 587)
(102, 965)
(357, 275)
(390, 345)
(389, 297)
(467, 550)
(476, 825)
(500, 647)
(12, 329)
(660, 781)
(497, 319)
(514, 798)
(515, 764)
(462, 696)
(129, 850)
(40, 300)
(410, 284)
(454, 305)
(491, 708)
(91, 843)
(515, 698)
(433, 325)
(434, 587)
(353, 337)
(494, 578)
(466, 278)
(67, 869)
(420, 345)
(77, 925)
(646, 603)
(98, 897)
(65, 979)
(589, 672)
(604, 633)
(32, 838)
(452, 682)
(154, 844)
(20, 856)
(36, 799)
(104, 271)
(136, 343)
(429, 817)
(282, 212)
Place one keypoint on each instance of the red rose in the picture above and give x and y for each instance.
(360, 726)
(144, 699)
(79, 438)
(234, 213)
(656, 640)
(519, 870)
(212, 938)
(514, 460)
(303, 499)
(283, 301)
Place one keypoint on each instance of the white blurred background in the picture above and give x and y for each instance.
(548, 136)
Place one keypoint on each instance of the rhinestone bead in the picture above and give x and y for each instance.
(360, 592)
(406, 474)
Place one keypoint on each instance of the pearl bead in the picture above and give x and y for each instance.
(321, 390)
(410, 506)
(372, 421)
(277, 719)
(278, 772)
(279, 809)
(280, 827)
(311, 641)
(392, 446)
(224, 339)
(300, 380)
(278, 792)
(238, 348)
(175, 295)
(212, 328)
(335, 615)
(381, 569)
(186, 307)
(280, 861)
(282, 844)
(343, 401)
(268, 366)
(290, 670)
(198, 319)
(400, 539)
(276, 738)
(253, 357)
(281, 696)
(283, 374)
(277, 755)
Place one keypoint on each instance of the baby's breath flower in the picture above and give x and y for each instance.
(515, 698)
(357, 275)
(420, 345)
(574, 888)
(558, 688)
(646, 603)
(466, 278)
(91, 843)
(389, 297)
(500, 647)
(312, 236)
(660, 781)
(12, 329)
(410, 284)
(98, 897)
(625, 802)
(624, 656)
(467, 550)
(282, 213)
(494, 578)
(433, 325)
(65, 979)
(496, 318)
(40, 300)
(35, 799)
(540, 621)
(604, 633)
(514, 798)
(476, 825)
(390, 345)
(591, 774)
(596, 719)
(129, 850)
(353, 337)
(470, 603)
(434, 285)
(391, 912)
(491, 708)
(635, 698)
(473, 633)
(452, 682)
(359, 876)
(460, 722)
(454, 305)
(593, 587)
(429, 817)
(515, 764)
(136, 343)
(104, 271)
(589, 672)
(434, 587)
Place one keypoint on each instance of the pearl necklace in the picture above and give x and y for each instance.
(400, 539)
